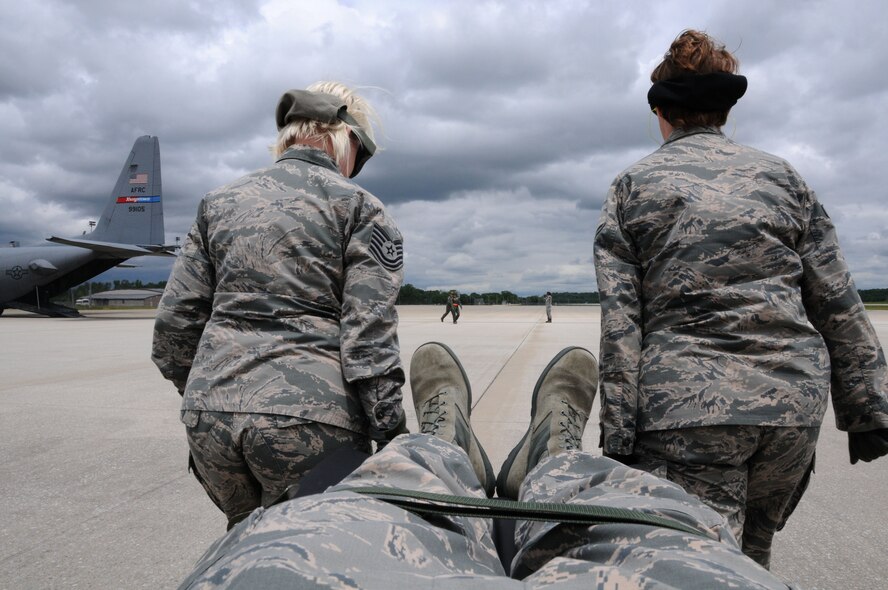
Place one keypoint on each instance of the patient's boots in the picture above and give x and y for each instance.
(442, 397)
(559, 410)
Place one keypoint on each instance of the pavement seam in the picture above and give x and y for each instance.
(505, 364)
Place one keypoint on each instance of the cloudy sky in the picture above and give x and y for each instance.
(503, 122)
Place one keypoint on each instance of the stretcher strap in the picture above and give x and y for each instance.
(588, 514)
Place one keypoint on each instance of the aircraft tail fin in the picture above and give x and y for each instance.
(134, 213)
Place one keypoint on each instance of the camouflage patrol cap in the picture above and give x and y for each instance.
(325, 108)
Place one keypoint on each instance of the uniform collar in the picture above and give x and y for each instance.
(680, 133)
(310, 154)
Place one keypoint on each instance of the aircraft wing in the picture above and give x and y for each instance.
(114, 249)
(162, 250)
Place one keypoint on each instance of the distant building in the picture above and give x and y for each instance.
(127, 298)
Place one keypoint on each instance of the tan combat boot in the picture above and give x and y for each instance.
(442, 397)
(559, 410)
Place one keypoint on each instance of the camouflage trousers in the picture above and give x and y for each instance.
(749, 474)
(339, 539)
(453, 310)
(244, 461)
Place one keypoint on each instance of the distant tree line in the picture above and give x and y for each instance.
(562, 298)
(411, 295)
(874, 295)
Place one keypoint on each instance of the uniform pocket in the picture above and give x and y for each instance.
(797, 494)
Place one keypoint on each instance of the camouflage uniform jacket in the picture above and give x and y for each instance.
(282, 300)
(725, 299)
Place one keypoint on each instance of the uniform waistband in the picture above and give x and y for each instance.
(269, 306)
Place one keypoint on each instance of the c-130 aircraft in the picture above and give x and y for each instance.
(130, 226)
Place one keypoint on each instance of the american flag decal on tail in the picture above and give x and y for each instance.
(387, 252)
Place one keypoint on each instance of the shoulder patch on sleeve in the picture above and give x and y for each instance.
(387, 252)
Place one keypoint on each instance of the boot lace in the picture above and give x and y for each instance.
(571, 427)
(432, 415)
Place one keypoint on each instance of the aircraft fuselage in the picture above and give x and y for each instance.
(52, 269)
(26, 268)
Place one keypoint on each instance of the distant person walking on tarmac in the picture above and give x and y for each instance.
(278, 323)
(452, 306)
(448, 306)
(727, 311)
(548, 300)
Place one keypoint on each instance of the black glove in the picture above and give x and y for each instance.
(384, 437)
(867, 446)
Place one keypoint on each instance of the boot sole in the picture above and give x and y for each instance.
(503, 475)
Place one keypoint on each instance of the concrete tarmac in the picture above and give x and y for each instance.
(94, 491)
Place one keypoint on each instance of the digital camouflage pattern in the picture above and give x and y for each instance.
(725, 299)
(751, 475)
(651, 557)
(232, 453)
(282, 300)
(343, 540)
(339, 539)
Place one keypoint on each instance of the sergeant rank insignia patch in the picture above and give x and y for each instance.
(387, 252)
